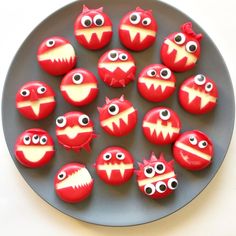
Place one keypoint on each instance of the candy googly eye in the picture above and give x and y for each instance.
(98, 20)
(135, 18)
(160, 168)
(113, 55)
(35, 139)
(152, 73)
(146, 21)
(179, 38)
(172, 183)
(149, 171)
(26, 140)
(161, 187)
(202, 144)
(77, 78)
(120, 156)
(61, 175)
(149, 189)
(25, 92)
(165, 73)
(83, 120)
(107, 156)
(113, 109)
(86, 21)
(41, 90)
(208, 87)
(191, 46)
(193, 140)
(200, 79)
(43, 140)
(50, 43)
(165, 114)
(61, 121)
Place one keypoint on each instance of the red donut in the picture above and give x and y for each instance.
(35, 100)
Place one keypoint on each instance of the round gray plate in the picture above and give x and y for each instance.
(123, 205)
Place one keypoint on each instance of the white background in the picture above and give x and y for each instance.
(22, 212)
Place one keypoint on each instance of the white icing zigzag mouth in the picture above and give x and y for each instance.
(155, 179)
(35, 105)
(181, 53)
(193, 151)
(158, 128)
(98, 31)
(134, 31)
(78, 179)
(116, 120)
(72, 132)
(78, 92)
(34, 153)
(64, 53)
(204, 97)
(156, 83)
(112, 66)
(109, 167)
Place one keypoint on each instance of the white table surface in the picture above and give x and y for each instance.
(22, 212)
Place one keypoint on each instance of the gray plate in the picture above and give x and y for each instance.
(124, 205)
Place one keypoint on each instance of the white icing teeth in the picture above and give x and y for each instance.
(156, 83)
(158, 129)
(34, 153)
(88, 33)
(64, 53)
(204, 97)
(76, 180)
(181, 53)
(78, 92)
(116, 120)
(109, 167)
(194, 151)
(155, 179)
(72, 132)
(112, 66)
(134, 31)
(35, 105)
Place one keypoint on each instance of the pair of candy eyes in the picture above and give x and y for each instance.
(165, 73)
(135, 18)
(150, 171)
(87, 21)
(61, 121)
(191, 46)
(26, 92)
(160, 186)
(202, 144)
(114, 56)
(119, 155)
(201, 80)
(35, 139)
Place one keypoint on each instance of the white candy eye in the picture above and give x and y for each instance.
(172, 183)
(107, 156)
(164, 114)
(77, 78)
(120, 156)
(113, 109)
(191, 46)
(98, 20)
(35, 139)
(26, 140)
(25, 92)
(208, 87)
(61, 121)
(123, 57)
(200, 79)
(43, 140)
(161, 187)
(160, 168)
(149, 189)
(165, 73)
(151, 73)
(149, 171)
(180, 38)
(113, 55)
(86, 21)
(50, 43)
(83, 120)
(61, 175)
(193, 140)
(41, 90)
(134, 18)
(146, 21)
(202, 144)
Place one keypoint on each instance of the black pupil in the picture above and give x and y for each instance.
(50, 42)
(178, 38)
(133, 17)
(174, 184)
(85, 120)
(153, 73)
(119, 155)
(36, 137)
(24, 92)
(148, 190)
(209, 86)
(77, 77)
(113, 55)
(191, 139)
(201, 78)
(164, 73)
(107, 156)
(44, 140)
(160, 167)
(98, 21)
(43, 89)
(165, 113)
(162, 187)
(27, 138)
(61, 175)
(112, 108)
(204, 144)
(124, 57)
(145, 22)
(149, 170)
(87, 22)
(192, 48)
(60, 120)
